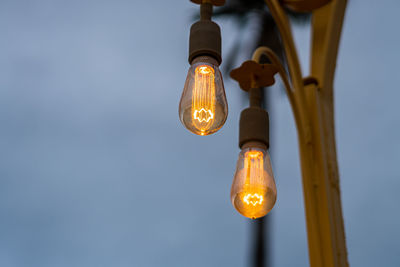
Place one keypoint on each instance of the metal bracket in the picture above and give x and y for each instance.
(254, 75)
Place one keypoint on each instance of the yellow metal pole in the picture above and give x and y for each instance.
(314, 113)
(326, 26)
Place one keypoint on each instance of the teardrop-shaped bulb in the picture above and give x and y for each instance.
(253, 192)
(203, 108)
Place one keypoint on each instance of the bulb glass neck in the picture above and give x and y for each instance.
(254, 145)
(205, 59)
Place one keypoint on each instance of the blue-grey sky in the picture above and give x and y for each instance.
(96, 169)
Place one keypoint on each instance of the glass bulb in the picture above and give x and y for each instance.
(253, 192)
(203, 108)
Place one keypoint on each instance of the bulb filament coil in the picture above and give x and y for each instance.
(253, 199)
(203, 99)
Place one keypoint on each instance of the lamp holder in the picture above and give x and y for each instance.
(254, 126)
(205, 35)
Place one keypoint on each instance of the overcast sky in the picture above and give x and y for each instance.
(96, 169)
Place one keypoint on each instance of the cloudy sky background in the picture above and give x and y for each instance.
(96, 169)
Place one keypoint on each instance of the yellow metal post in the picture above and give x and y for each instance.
(312, 103)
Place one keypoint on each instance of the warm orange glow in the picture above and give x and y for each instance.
(205, 70)
(253, 189)
(254, 166)
(203, 98)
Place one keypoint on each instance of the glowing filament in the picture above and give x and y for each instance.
(203, 115)
(254, 169)
(253, 199)
(203, 98)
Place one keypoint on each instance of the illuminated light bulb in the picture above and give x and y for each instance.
(203, 108)
(253, 192)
